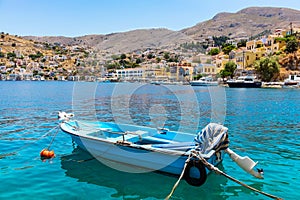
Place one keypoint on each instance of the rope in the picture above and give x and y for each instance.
(52, 139)
(27, 145)
(180, 177)
(196, 154)
(49, 131)
(218, 171)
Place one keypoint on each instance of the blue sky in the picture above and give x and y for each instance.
(83, 17)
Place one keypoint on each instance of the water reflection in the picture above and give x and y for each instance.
(83, 167)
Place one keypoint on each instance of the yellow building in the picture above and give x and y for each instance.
(274, 45)
(188, 72)
(162, 73)
(253, 44)
(220, 62)
(207, 69)
(246, 58)
(240, 57)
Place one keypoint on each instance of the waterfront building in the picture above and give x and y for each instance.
(27, 76)
(207, 69)
(130, 73)
(74, 78)
(272, 45)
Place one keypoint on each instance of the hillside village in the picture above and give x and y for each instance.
(23, 59)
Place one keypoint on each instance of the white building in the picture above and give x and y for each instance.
(130, 73)
(74, 78)
(27, 76)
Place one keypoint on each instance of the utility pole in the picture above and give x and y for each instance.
(243, 60)
(291, 27)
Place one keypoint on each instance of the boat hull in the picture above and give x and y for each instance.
(197, 83)
(244, 85)
(145, 158)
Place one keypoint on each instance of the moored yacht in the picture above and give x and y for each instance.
(245, 82)
(293, 80)
(204, 81)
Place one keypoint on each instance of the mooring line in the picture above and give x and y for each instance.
(52, 139)
(27, 145)
(196, 154)
(181, 175)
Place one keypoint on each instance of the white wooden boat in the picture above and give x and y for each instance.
(155, 149)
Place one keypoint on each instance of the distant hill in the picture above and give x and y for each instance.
(123, 41)
(245, 23)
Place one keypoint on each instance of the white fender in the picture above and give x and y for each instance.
(245, 163)
(63, 116)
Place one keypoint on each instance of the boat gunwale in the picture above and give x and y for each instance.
(146, 147)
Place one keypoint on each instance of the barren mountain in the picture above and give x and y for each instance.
(123, 41)
(142, 39)
(245, 23)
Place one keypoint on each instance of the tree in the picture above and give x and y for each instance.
(166, 56)
(229, 69)
(242, 43)
(138, 61)
(197, 77)
(219, 41)
(223, 73)
(115, 57)
(214, 51)
(150, 56)
(267, 68)
(227, 48)
(35, 56)
(291, 45)
(10, 55)
(123, 56)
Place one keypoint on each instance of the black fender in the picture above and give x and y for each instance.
(202, 171)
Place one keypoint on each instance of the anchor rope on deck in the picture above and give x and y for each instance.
(196, 154)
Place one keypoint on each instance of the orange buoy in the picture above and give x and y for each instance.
(45, 153)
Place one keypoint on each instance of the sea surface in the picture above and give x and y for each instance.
(263, 124)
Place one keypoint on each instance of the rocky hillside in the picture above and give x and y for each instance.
(245, 23)
(123, 41)
(21, 56)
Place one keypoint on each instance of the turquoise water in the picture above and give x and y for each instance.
(263, 124)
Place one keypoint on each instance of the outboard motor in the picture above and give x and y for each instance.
(245, 163)
(212, 137)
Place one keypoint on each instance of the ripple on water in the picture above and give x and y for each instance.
(263, 124)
